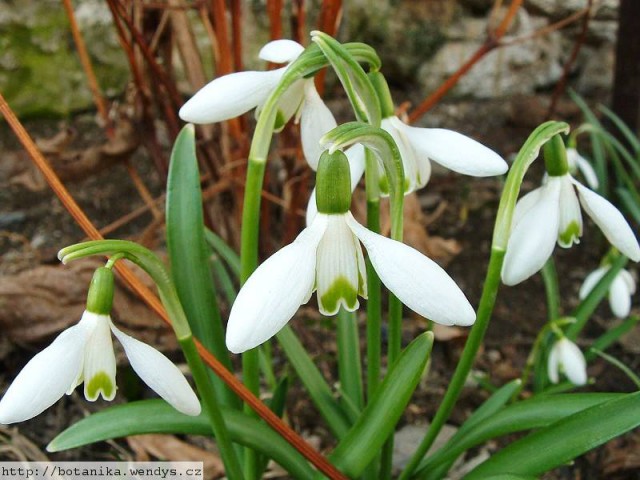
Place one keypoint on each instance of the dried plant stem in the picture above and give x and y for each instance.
(98, 99)
(560, 86)
(492, 42)
(318, 460)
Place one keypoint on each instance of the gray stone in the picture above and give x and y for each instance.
(597, 70)
(518, 69)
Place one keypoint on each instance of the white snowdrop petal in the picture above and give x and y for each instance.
(532, 240)
(455, 151)
(337, 268)
(628, 279)
(46, 378)
(591, 281)
(611, 222)
(620, 297)
(159, 373)
(570, 223)
(290, 102)
(393, 126)
(281, 51)
(356, 157)
(553, 364)
(419, 283)
(230, 96)
(99, 370)
(524, 205)
(588, 172)
(275, 291)
(573, 362)
(315, 121)
(312, 208)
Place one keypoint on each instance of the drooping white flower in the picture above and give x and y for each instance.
(327, 256)
(566, 356)
(232, 95)
(84, 353)
(620, 290)
(578, 163)
(419, 146)
(550, 214)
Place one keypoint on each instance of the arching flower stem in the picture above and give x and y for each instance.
(151, 264)
(306, 64)
(527, 155)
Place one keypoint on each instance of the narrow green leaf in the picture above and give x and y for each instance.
(219, 246)
(610, 336)
(156, 416)
(591, 302)
(536, 412)
(489, 408)
(314, 382)
(378, 420)
(628, 201)
(599, 158)
(624, 129)
(189, 255)
(562, 441)
(349, 363)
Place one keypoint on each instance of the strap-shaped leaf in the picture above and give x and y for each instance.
(156, 416)
(537, 412)
(564, 440)
(189, 255)
(364, 441)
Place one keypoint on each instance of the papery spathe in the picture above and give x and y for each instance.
(327, 256)
(84, 353)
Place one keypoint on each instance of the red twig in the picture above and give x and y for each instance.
(492, 42)
(560, 86)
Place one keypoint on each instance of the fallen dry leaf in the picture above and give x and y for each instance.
(169, 448)
(38, 303)
(71, 164)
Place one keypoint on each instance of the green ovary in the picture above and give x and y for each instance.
(341, 289)
(100, 382)
(570, 233)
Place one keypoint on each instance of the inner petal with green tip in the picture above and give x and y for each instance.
(100, 384)
(338, 262)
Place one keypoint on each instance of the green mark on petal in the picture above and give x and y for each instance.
(280, 121)
(341, 289)
(99, 383)
(383, 184)
(570, 235)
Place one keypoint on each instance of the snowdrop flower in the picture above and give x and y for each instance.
(232, 95)
(620, 291)
(566, 356)
(84, 353)
(578, 163)
(418, 146)
(327, 257)
(551, 213)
